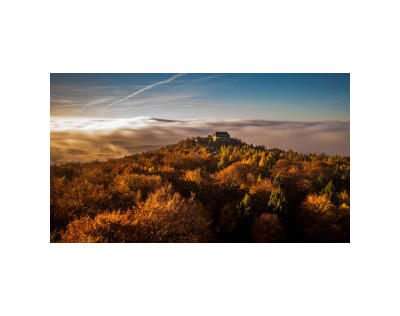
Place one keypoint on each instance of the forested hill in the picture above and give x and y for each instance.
(203, 192)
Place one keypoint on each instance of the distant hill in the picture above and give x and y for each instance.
(203, 191)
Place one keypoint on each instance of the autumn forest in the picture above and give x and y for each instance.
(203, 192)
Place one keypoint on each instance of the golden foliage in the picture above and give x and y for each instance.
(320, 220)
(318, 203)
(164, 217)
(192, 192)
(194, 176)
(237, 175)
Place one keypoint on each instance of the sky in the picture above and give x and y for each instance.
(98, 116)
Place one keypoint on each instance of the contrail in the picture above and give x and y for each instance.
(146, 88)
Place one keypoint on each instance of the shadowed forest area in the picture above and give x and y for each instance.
(203, 192)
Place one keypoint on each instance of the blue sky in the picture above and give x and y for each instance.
(99, 116)
(303, 97)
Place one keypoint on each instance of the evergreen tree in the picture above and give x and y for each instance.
(244, 209)
(277, 202)
(245, 217)
(329, 190)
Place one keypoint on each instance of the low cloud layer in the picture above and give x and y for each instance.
(86, 140)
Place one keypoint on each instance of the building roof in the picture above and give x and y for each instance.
(221, 134)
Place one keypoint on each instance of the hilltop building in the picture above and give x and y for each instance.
(217, 137)
(221, 137)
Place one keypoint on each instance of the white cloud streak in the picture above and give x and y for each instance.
(146, 88)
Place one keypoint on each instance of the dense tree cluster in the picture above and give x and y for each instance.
(191, 192)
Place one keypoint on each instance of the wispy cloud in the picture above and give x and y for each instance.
(193, 81)
(146, 88)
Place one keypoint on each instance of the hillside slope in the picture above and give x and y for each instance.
(203, 192)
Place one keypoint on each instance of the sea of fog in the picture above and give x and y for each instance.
(82, 140)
